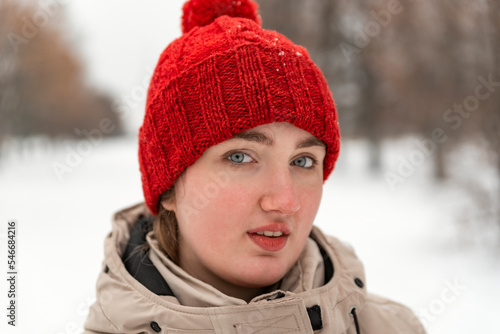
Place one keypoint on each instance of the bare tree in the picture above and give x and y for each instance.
(491, 124)
(42, 90)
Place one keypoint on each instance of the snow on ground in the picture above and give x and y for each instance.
(406, 236)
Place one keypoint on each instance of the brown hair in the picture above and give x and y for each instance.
(166, 229)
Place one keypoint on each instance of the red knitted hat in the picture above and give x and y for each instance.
(225, 75)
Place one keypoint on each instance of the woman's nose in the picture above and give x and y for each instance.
(279, 194)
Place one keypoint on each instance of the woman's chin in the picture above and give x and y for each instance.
(261, 277)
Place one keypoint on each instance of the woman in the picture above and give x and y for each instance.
(240, 133)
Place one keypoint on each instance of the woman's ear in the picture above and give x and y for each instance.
(169, 204)
(168, 198)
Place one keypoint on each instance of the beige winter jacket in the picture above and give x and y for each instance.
(145, 296)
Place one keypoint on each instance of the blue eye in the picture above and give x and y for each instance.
(305, 162)
(239, 157)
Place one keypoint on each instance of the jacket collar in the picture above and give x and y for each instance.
(332, 302)
(155, 270)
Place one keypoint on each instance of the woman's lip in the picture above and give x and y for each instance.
(269, 244)
(273, 227)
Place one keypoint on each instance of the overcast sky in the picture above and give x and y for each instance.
(120, 41)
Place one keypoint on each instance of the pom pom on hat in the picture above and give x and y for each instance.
(199, 13)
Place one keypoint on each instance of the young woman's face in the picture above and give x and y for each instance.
(245, 208)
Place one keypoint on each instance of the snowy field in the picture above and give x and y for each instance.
(407, 237)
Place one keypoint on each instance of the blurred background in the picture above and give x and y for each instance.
(416, 190)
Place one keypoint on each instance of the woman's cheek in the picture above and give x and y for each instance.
(310, 201)
(235, 198)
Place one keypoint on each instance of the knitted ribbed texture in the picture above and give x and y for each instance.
(226, 77)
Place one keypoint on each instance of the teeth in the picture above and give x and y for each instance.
(270, 234)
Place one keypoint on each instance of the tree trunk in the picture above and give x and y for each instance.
(440, 163)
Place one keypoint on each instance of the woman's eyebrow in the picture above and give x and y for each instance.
(263, 139)
(255, 137)
(309, 142)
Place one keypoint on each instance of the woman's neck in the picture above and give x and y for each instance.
(233, 290)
